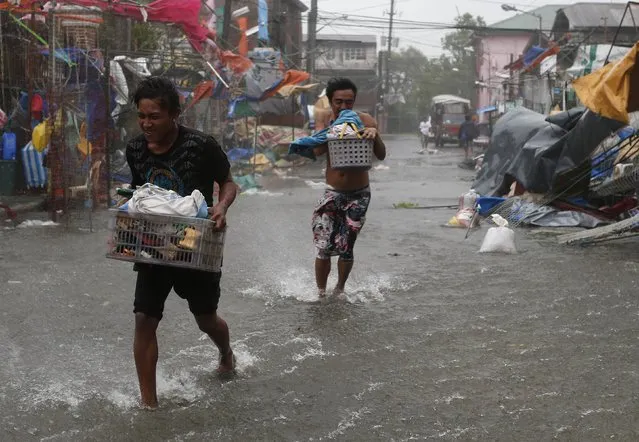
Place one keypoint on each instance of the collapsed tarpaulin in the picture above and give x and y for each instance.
(542, 154)
(532, 214)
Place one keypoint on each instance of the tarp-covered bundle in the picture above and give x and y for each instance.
(542, 154)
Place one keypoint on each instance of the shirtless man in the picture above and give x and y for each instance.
(340, 213)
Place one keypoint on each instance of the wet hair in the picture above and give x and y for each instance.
(160, 89)
(339, 84)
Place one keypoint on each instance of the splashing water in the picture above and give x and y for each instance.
(299, 284)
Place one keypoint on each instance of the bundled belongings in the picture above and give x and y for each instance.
(304, 146)
(156, 227)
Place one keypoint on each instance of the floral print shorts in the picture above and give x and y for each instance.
(337, 220)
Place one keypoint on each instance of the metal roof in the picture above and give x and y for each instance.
(528, 22)
(346, 37)
(591, 15)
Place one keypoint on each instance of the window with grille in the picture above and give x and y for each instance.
(354, 54)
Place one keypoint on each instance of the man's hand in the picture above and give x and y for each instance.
(217, 213)
(369, 133)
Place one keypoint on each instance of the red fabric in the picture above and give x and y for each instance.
(185, 13)
(202, 90)
(291, 77)
(237, 63)
(243, 46)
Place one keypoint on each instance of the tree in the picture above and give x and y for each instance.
(460, 45)
(406, 67)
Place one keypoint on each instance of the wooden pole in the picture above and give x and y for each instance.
(107, 93)
(311, 44)
(226, 24)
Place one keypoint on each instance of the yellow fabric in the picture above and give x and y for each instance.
(607, 90)
(83, 145)
(40, 136)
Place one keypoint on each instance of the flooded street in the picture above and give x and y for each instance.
(431, 341)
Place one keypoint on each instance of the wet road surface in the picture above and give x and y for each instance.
(431, 341)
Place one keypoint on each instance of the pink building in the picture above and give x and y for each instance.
(500, 44)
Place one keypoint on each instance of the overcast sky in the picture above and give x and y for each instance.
(440, 11)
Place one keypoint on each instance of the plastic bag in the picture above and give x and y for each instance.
(463, 218)
(154, 200)
(500, 239)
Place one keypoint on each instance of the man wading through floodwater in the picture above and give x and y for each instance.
(181, 159)
(341, 212)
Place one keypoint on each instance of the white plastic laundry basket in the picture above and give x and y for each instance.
(350, 152)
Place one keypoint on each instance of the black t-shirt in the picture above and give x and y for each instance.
(194, 161)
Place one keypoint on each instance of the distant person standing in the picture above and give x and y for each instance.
(424, 130)
(467, 133)
(437, 121)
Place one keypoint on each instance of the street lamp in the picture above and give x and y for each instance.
(511, 8)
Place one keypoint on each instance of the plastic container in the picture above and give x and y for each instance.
(350, 152)
(468, 200)
(9, 147)
(174, 241)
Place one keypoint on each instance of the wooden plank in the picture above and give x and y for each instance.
(599, 232)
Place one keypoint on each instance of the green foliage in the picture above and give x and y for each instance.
(419, 78)
(145, 37)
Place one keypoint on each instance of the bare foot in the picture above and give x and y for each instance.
(227, 363)
(148, 407)
(338, 291)
(321, 293)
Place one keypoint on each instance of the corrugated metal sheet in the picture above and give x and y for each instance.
(591, 15)
(528, 22)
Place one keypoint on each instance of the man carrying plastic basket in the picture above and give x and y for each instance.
(340, 213)
(181, 159)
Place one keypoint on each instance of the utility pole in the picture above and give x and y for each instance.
(226, 23)
(277, 25)
(311, 42)
(388, 54)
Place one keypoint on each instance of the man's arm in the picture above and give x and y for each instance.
(379, 148)
(221, 170)
(228, 192)
(322, 118)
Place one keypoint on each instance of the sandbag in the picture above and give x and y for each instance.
(500, 239)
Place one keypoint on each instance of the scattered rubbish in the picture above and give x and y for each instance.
(14, 282)
(405, 205)
(500, 239)
(381, 167)
(37, 223)
(465, 216)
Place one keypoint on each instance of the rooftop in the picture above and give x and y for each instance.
(593, 15)
(526, 21)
